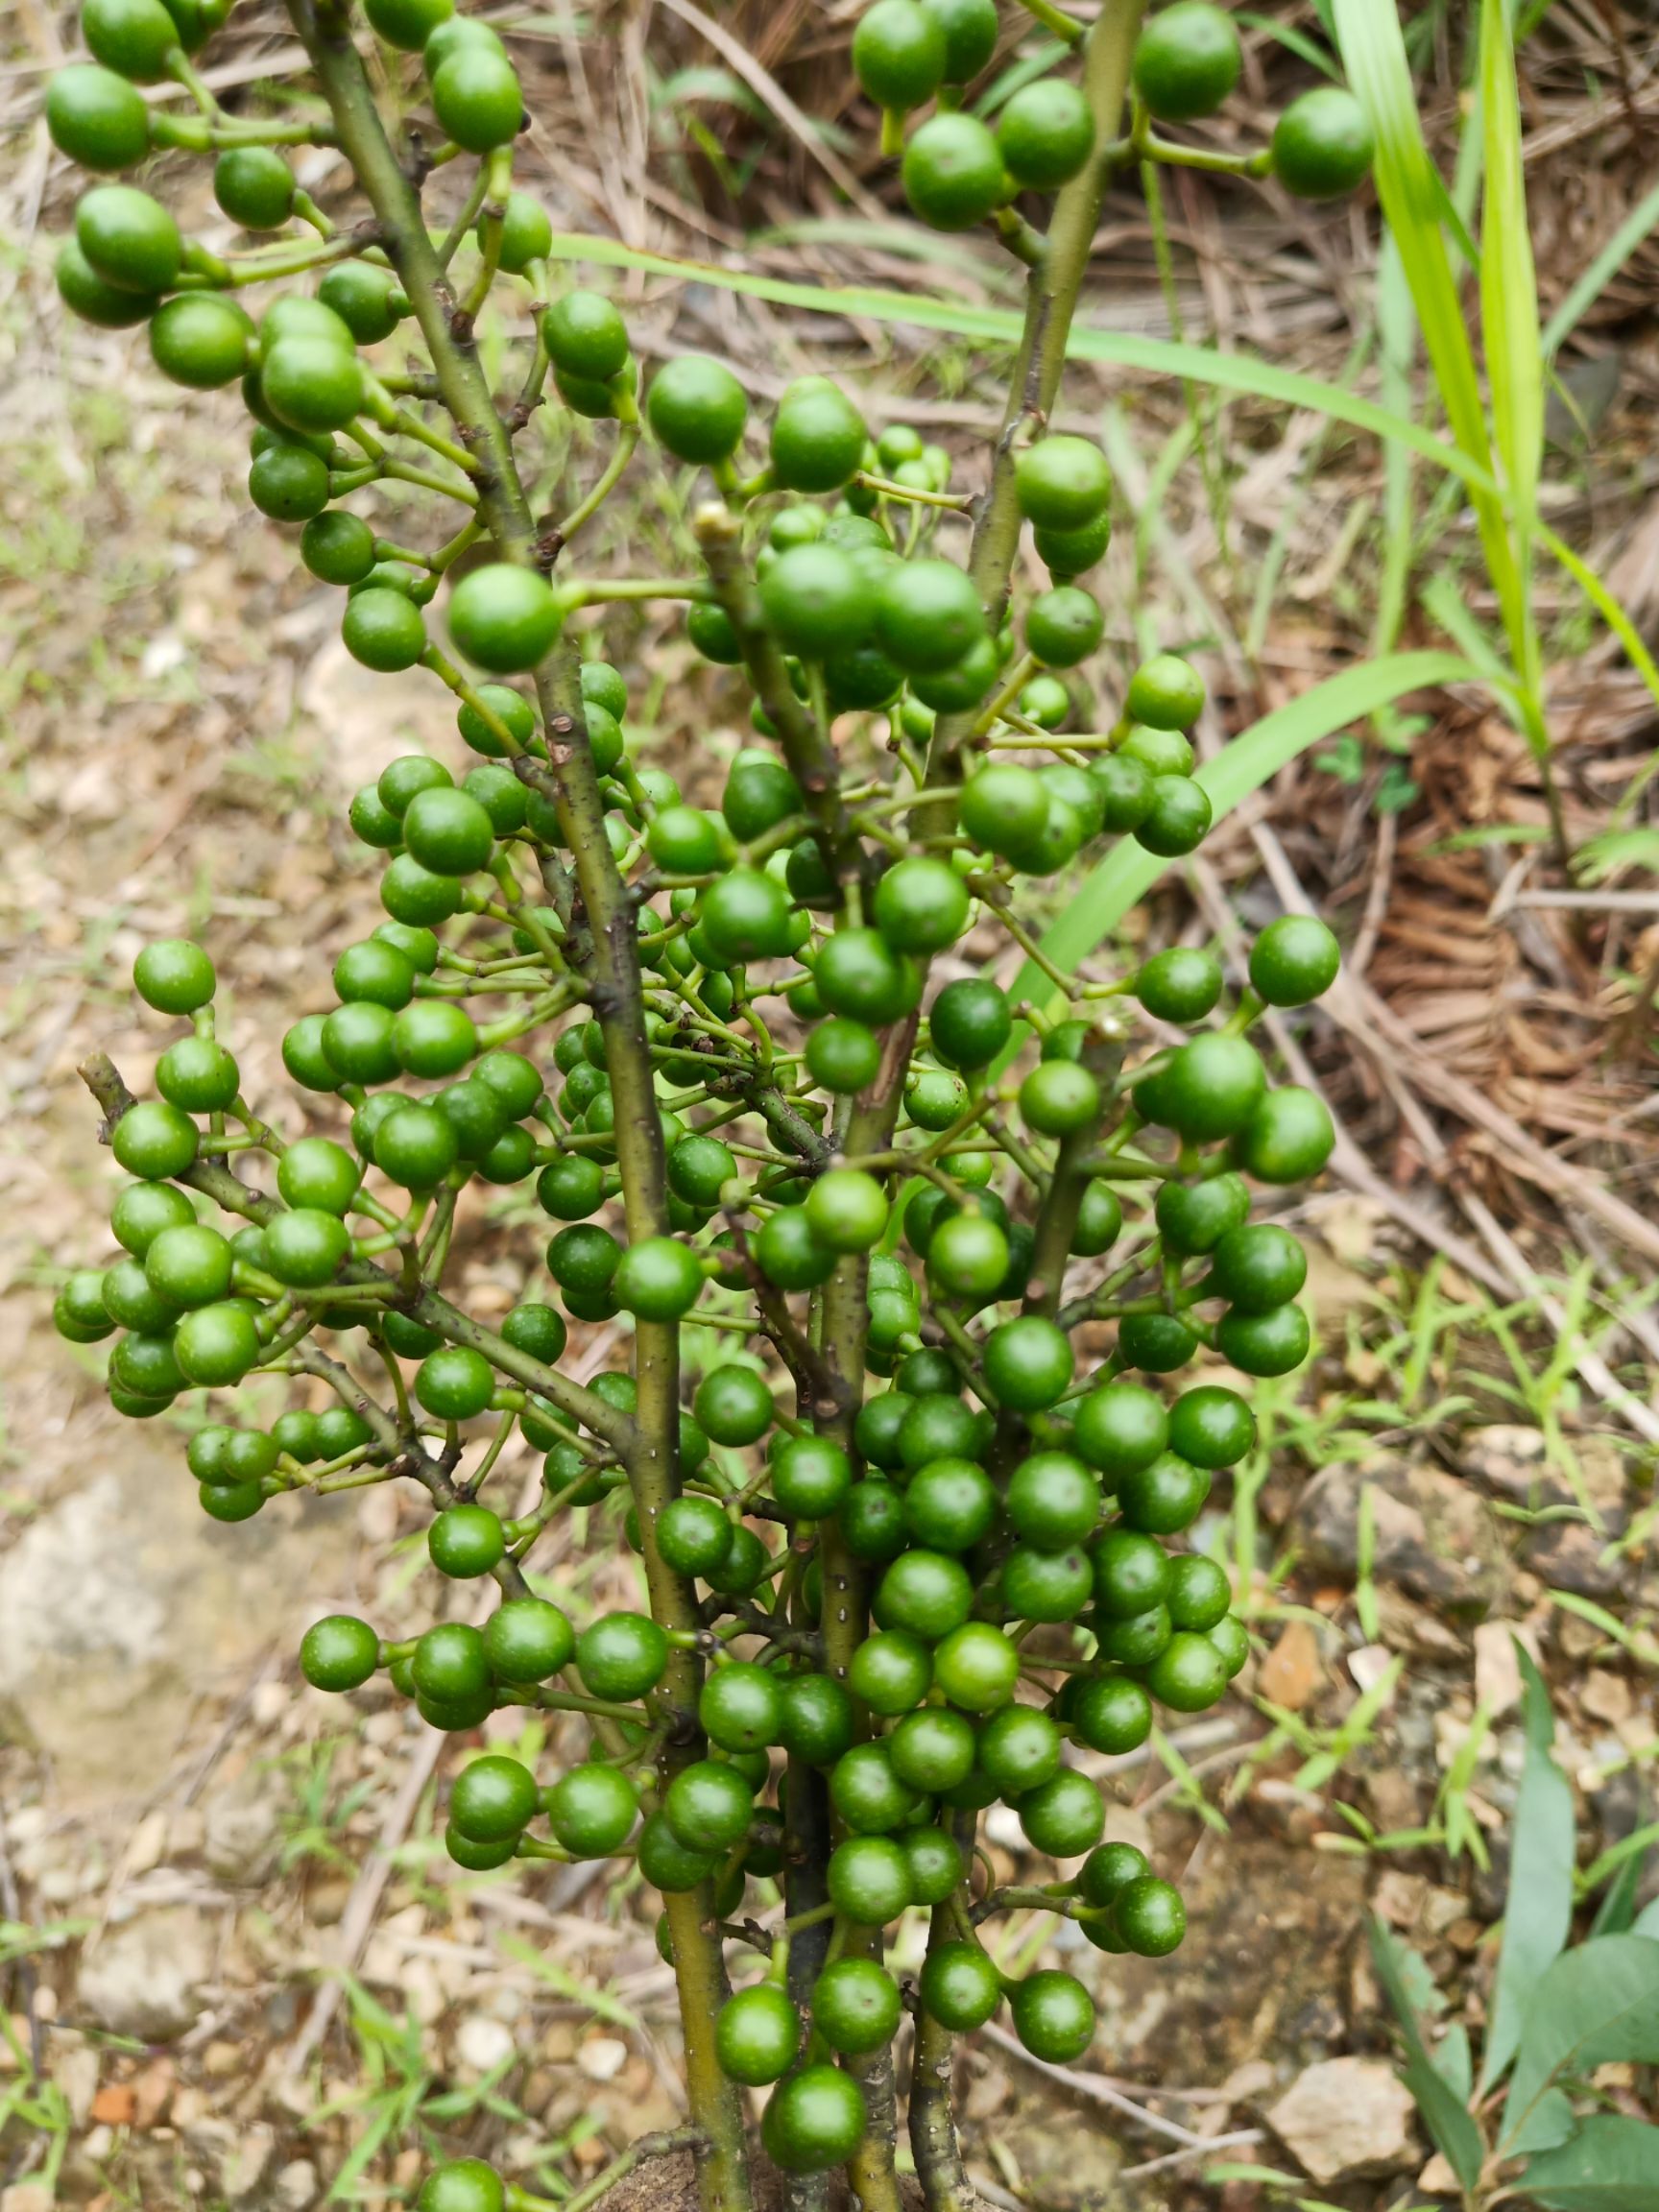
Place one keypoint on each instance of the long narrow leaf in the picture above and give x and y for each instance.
(1638, 224)
(1115, 348)
(1509, 312)
(1129, 871)
(1455, 2136)
(1123, 350)
(1538, 1911)
(1413, 201)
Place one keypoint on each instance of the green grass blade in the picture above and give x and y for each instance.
(1509, 311)
(1121, 349)
(1257, 754)
(1638, 224)
(1397, 333)
(1296, 41)
(1623, 628)
(1113, 348)
(1414, 202)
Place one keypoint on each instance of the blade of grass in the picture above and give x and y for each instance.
(1113, 348)
(1124, 350)
(1397, 331)
(1414, 199)
(1129, 871)
(1640, 224)
(1510, 314)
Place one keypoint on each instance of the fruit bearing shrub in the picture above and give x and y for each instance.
(719, 1049)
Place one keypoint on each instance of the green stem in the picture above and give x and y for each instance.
(572, 783)
(933, 2144)
(1050, 302)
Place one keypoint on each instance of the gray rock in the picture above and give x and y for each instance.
(1072, 2166)
(1433, 1535)
(295, 2188)
(248, 2165)
(243, 1829)
(148, 1977)
(1346, 2118)
(123, 1605)
(1511, 1462)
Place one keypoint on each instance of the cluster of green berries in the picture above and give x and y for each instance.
(1030, 1536)
(959, 170)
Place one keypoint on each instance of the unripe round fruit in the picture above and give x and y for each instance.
(174, 975)
(1323, 144)
(1059, 1099)
(1045, 133)
(900, 54)
(1053, 2015)
(1065, 1816)
(921, 905)
(586, 335)
(96, 118)
(977, 1667)
(621, 1656)
(254, 186)
(477, 99)
(1287, 1138)
(960, 1987)
(310, 383)
(591, 1810)
(1062, 482)
(216, 1345)
(381, 629)
(1064, 626)
(408, 23)
(1029, 1363)
(1149, 1916)
(856, 2005)
(1166, 692)
(493, 1799)
(466, 1541)
(707, 1806)
(927, 612)
(817, 601)
(757, 2036)
(128, 238)
(658, 1279)
(815, 2120)
(338, 1653)
(503, 617)
(697, 409)
(134, 37)
(952, 172)
(1294, 960)
(527, 1639)
(92, 297)
(971, 1021)
(1187, 61)
(289, 484)
(465, 2185)
(818, 435)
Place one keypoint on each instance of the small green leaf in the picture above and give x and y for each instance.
(1597, 2003)
(1553, 2121)
(1538, 1911)
(1451, 2061)
(1610, 2165)
(1455, 2133)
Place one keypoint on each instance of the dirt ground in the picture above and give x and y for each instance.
(238, 1968)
